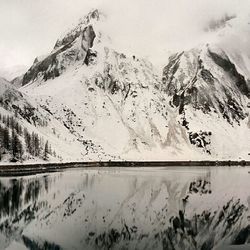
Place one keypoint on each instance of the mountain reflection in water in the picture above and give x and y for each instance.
(140, 208)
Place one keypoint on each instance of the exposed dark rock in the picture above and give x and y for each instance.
(169, 72)
(201, 186)
(243, 236)
(205, 74)
(31, 244)
(207, 245)
(88, 36)
(90, 57)
(188, 94)
(48, 68)
(230, 68)
(201, 140)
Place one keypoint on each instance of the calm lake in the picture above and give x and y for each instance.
(127, 208)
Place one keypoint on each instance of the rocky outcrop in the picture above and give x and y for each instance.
(229, 67)
(54, 64)
(94, 15)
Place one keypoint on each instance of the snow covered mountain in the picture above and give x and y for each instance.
(211, 97)
(107, 105)
(210, 87)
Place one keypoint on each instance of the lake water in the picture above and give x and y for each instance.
(127, 208)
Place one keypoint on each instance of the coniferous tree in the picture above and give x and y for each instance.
(16, 146)
(6, 139)
(46, 151)
(27, 139)
(11, 143)
(35, 144)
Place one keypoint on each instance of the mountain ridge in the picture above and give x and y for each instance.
(122, 107)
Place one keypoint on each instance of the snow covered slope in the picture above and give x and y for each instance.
(35, 119)
(121, 107)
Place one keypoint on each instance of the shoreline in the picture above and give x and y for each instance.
(23, 169)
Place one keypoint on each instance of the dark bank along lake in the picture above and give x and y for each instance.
(127, 208)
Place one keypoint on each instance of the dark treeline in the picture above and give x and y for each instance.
(19, 143)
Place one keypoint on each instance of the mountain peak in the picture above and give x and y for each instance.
(91, 18)
(72, 47)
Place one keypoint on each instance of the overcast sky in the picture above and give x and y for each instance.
(30, 28)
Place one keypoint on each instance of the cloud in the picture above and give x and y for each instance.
(148, 28)
(155, 27)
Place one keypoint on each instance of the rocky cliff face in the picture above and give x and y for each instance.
(75, 46)
(208, 81)
(54, 64)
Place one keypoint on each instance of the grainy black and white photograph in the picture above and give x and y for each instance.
(124, 125)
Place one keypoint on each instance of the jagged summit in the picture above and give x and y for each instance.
(73, 47)
(90, 19)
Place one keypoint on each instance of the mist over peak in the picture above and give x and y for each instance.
(146, 28)
(215, 24)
